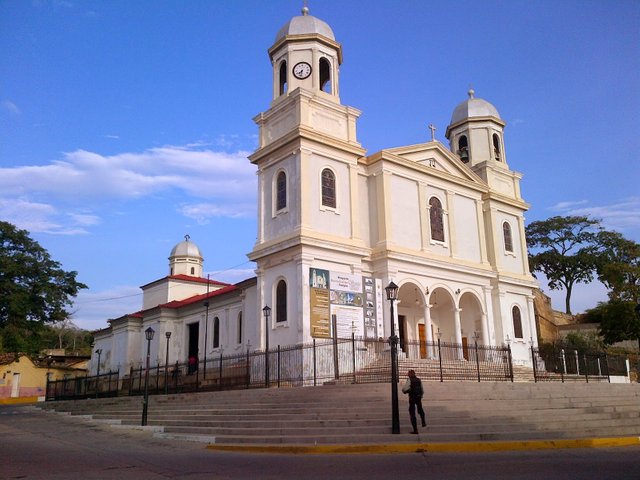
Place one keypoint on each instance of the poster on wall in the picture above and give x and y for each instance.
(319, 303)
(356, 302)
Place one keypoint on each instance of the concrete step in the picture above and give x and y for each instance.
(361, 413)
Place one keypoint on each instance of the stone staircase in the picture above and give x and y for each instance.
(361, 414)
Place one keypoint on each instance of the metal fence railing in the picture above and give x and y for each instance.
(337, 360)
(570, 365)
(103, 385)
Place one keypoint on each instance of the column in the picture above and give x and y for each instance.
(354, 202)
(532, 321)
(450, 225)
(458, 332)
(524, 257)
(485, 329)
(428, 328)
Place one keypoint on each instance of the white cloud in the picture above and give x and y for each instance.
(39, 217)
(203, 212)
(623, 216)
(89, 179)
(93, 309)
(233, 275)
(11, 107)
(88, 175)
(567, 205)
(85, 219)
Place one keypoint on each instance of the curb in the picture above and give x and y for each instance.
(453, 447)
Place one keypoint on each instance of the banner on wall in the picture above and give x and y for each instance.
(319, 303)
(356, 301)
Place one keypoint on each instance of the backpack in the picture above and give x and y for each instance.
(415, 390)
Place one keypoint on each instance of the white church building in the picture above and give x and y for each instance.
(336, 225)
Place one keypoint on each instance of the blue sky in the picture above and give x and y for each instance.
(126, 125)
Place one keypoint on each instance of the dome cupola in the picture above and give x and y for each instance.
(305, 24)
(306, 55)
(186, 259)
(475, 133)
(473, 108)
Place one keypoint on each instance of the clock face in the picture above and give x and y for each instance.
(302, 70)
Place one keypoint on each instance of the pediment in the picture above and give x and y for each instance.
(434, 155)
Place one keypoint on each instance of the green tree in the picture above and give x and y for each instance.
(565, 250)
(618, 266)
(618, 320)
(34, 290)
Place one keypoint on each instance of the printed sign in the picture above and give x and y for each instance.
(320, 320)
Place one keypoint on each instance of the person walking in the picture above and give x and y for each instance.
(413, 387)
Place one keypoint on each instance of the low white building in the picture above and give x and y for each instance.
(336, 225)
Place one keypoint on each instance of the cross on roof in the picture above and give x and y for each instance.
(432, 127)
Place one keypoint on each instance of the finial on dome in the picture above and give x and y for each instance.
(187, 237)
(471, 92)
(305, 8)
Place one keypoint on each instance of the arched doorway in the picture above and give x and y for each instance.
(411, 320)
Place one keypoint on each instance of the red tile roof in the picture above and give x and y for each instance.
(186, 278)
(199, 298)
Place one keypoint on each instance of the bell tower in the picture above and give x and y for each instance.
(306, 55)
(476, 133)
(307, 161)
(476, 136)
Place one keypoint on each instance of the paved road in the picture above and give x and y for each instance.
(39, 445)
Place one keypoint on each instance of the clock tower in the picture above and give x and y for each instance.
(307, 162)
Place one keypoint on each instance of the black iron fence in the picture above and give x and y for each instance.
(346, 360)
(103, 385)
(570, 365)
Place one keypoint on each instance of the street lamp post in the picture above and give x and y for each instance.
(206, 330)
(267, 312)
(166, 365)
(392, 296)
(99, 353)
(476, 336)
(148, 333)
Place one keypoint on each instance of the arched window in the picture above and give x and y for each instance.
(216, 332)
(508, 240)
(496, 146)
(283, 78)
(193, 271)
(436, 219)
(325, 75)
(328, 188)
(517, 322)
(463, 148)
(281, 193)
(281, 301)
(240, 327)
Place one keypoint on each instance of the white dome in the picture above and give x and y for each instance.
(186, 248)
(305, 24)
(473, 107)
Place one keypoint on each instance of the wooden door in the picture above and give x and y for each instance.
(423, 341)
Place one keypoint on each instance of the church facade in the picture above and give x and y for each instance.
(336, 225)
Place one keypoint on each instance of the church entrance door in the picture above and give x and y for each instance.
(402, 326)
(194, 335)
(465, 348)
(423, 341)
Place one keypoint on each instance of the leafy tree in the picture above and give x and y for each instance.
(619, 320)
(34, 290)
(618, 266)
(565, 251)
